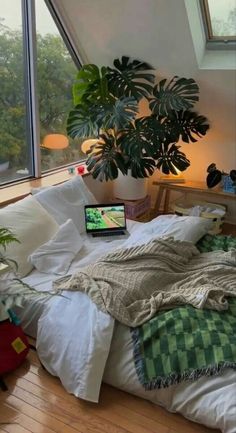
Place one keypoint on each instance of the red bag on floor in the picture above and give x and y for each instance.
(14, 346)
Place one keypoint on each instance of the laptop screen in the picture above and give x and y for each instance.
(104, 217)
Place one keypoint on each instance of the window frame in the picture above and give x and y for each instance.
(30, 72)
(214, 42)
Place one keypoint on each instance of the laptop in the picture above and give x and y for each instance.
(106, 221)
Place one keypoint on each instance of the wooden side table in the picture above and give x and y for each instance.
(192, 187)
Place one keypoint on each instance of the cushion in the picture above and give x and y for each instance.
(185, 228)
(67, 201)
(56, 255)
(32, 226)
(189, 228)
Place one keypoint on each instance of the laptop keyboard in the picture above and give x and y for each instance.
(105, 234)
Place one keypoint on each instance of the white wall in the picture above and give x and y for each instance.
(158, 32)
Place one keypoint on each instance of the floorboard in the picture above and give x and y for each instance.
(36, 402)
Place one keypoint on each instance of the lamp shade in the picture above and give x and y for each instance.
(55, 141)
(87, 144)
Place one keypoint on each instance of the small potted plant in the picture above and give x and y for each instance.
(215, 176)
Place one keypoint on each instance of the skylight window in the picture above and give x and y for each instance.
(220, 20)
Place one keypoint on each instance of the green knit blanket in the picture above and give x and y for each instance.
(216, 242)
(186, 343)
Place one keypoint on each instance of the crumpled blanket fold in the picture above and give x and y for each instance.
(133, 284)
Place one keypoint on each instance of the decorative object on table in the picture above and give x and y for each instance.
(106, 106)
(80, 169)
(211, 211)
(71, 170)
(215, 176)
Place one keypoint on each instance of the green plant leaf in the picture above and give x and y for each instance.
(6, 237)
(141, 167)
(177, 94)
(136, 140)
(213, 178)
(211, 167)
(82, 122)
(130, 78)
(91, 85)
(188, 124)
(169, 157)
(105, 159)
(117, 115)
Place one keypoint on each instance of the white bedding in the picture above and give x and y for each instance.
(81, 345)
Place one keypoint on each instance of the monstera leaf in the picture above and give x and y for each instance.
(169, 157)
(91, 85)
(105, 159)
(87, 120)
(130, 78)
(135, 140)
(82, 122)
(141, 166)
(177, 94)
(120, 114)
(188, 125)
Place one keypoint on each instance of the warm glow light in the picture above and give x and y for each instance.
(55, 141)
(87, 144)
(171, 177)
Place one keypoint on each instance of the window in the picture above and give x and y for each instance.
(37, 71)
(220, 21)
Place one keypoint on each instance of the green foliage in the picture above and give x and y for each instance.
(214, 176)
(13, 291)
(6, 237)
(107, 105)
(55, 73)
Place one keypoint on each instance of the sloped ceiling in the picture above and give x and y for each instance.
(158, 31)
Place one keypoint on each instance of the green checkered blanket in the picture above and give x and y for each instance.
(216, 242)
(186, 343)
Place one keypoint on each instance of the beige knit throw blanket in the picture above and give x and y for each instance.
(133, 284)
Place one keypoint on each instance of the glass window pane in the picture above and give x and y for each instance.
(223, 17)
(56, 73)
(15, 153)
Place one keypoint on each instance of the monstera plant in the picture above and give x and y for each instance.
(106, 104)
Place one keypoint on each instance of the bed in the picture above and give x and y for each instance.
(82, 345)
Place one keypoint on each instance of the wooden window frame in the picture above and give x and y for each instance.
(224, 42)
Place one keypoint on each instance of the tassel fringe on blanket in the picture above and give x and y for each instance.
(184, 344)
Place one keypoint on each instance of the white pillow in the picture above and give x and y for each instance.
(189, 228)
(185, 228)
(67, 201)
(32, 226)
(56, 255)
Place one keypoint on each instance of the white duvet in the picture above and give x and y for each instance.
(83, 346)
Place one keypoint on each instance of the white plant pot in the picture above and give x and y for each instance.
(129, 188)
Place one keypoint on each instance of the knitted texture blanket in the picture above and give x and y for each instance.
(184, 344)
(132, 284)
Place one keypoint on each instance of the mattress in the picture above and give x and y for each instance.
(61, 333)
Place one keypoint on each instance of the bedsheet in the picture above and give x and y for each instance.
(65, 325)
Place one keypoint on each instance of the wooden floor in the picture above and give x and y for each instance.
(36, 402)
